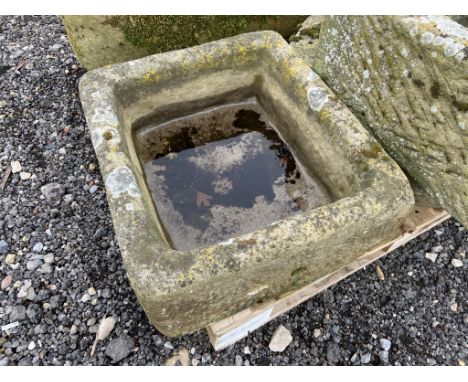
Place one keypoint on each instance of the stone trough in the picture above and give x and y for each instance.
(234, 175)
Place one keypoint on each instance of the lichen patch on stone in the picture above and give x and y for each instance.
(120, 181)
(317, 98)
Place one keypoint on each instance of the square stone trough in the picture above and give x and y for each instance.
(365, 194)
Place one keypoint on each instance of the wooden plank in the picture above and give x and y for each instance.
(231, 329)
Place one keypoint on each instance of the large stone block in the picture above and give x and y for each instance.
(102, 40)
(406, 78)
(366, 195)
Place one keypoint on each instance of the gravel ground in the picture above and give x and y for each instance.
(61, 269)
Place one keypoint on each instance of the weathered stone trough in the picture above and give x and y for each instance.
(215, 136)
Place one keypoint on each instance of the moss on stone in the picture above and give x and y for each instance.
(102, 40)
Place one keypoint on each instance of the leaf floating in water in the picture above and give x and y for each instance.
(203, 199)
(283, 160)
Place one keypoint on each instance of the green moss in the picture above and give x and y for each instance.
(373, 151)
(159, 34)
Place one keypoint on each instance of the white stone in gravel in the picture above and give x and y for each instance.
(385, 344)
(454, 307)
(38, 247)
(431, 362)
(62, 151)
(46, 268)
(32, 345)
(437, 248)
(168, 345)
(25, 175)
(280, 340)
(238, 360)
(383, 354)
(105, 327)
(49, 258)
(15, 167)
(9, 326)
(246, 350)
(195, 362)
(431, 256)
(457, 263)
(91, 291)
(365, 358)
(86, 297)
(73, 329)
(317, 333)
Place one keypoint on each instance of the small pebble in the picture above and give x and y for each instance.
(280, 340)
(25, 175)
(6, 282)
(120, 347)
(15, 167)
(383, 355)
(18, 313)
(10, 259)
(38, 247)
(365, 358)
(3, 247)
(457, 263)
(385, 344)
(333, 353)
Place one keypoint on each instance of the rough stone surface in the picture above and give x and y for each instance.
(405, 78)
(280, 340)
(370, 194)
(419, 324)
(103, 40)
(305, 41)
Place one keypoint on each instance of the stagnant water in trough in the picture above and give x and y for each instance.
(221, 173)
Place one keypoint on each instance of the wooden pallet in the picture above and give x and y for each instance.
(231, 329)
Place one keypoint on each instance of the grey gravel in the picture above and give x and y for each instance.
(40, 114)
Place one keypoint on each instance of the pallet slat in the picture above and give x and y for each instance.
(228, 331)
